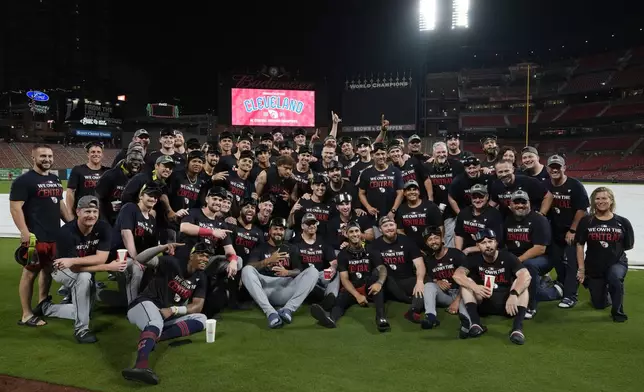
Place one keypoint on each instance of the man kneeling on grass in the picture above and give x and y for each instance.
(170, 306)
(498, 285)
(362, 274)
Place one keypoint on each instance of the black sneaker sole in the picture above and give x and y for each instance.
(517, 338)
(140, 375)
(318, 313)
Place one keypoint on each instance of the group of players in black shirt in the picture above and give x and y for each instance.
(286, 224)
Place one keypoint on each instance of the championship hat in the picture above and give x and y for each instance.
(529, 150)
(414, 138)
(196, 154)
(202, 248)
(166, 132)
(217, 191)
(411, 184)
(309, 219)
(88, 201)
(520, 195)
(343, 198)
(278, 222)
(556, 160)
(430, 231)
(165, 160)
(483, 234)
(384, 219)
(478, 189)
(142, 133)
(471, 161)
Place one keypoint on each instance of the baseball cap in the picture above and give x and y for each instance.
(225, 135)
(529, 149)
(196, 154)
(394, 146)
(519, 195)
(414, 138)
(479, 189)
(217, 191)
(166, 132)
(245, 136)
(353, 224)
(88, 201)
(299, 131)
(279, 222)
(483, 234)
(343, 198)
(363, 141)
(485, 138)
(135, 146)
(556, 160)
(346, 139)
(248, 201)
(411, 183)
(430, 231)
(334, 165)
(266, 136)
(141, 133)
(193, 144)
(309, 219)
(165, 160)
(203, 248)
(471, 161)
(318, 178)
(304, 150)
(89, 145)
(384, 219)
(452, 135)
(247, 154)
(178, 132)
(151, 189)
(379, 146)
(261, 148)
(276, 130)
(284, 145)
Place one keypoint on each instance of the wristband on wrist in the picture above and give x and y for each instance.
(181, 310)
(174, 310)
(514, 292)
(204, 232)
(231, 258)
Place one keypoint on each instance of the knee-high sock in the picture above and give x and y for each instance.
(182, 328)
(517, 323)
(147, 341)
(473, 311)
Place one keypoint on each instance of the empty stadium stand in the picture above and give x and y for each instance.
(583, 111)
(483, 121)
(18, 155)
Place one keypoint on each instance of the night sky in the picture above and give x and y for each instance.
(183, 47)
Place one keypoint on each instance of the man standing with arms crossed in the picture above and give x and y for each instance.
(36, 205)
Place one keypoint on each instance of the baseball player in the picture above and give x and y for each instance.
(170, 306)
(274, 276)
(83, 247)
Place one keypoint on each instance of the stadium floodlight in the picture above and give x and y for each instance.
(427, 15)
(460, 13)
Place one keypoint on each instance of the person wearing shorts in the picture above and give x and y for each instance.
(494, 282)
(37, 206)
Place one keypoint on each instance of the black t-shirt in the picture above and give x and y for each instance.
(504, 269)
(500, 193)
(319, 254)
(348, 164)
(131, 192)
(178, 158)
(414, 170)
(110, 188)
(198, 218)
(459, 189)
(336, 226)
(171, 285)
(381, 187)
(265, 250)
(413, 220)
(360, 265)
(398, 256)
(303, 181)
(347, 187)
(143, 229)
(441, 178)
(184, 192)
(468, 224)
(239, 187)
(521, 235)
(83, 180)
(41, 195)
(72, 243)
(276, 186)
(357, 169)
(485, 163)
(226, 163)
(542, 175)
(568, 198)
(245, 240)
(460, 156)
(606, 242)
(444, 268)
(322, 212)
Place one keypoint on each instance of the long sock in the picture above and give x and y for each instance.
(379, 301)
(417, 305)
(147, 341)
(473, 311)
(233, 290)
(182, 328)
(518, 319)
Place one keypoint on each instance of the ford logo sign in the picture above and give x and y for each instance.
(38, 96)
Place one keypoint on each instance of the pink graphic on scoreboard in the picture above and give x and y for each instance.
(258, 107)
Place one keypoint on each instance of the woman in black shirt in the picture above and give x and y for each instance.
(607, 236)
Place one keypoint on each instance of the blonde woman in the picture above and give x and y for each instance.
(607, 236)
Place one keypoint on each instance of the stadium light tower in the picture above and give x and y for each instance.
(460, 14)
(427, 15)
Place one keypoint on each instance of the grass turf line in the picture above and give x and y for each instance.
(577, 349)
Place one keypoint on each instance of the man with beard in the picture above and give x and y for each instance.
(212, 159)
(302, 173)
(410, 169)
(441, 263)
(37, 206)
(140, 136)
(491, 150)
(244, 143)
(316, 252)
(498, 285)
(170, 306)
(380, 186)
(338, 185)
(264, 214)
(507, 183)
(192, 144)
(110, 186)
(531, 165)
(262, 162)
(83, 246)
(416, 214)
(166, 139)
(459, 190)
(328, 157)
(83, 178)
(274, 276)
(267, 140)
(454, 152)
(527, 236)
(441, 174)
(337, 226)
(316, 205)
(227, 159)
(183, 190)
(402, 256)
(569, 206)
(414, 145)
(472, 219)
(278, 182)
(278, 137)
(285, 148)
(246, 235)
(362, 275)
(179, 142)
(348, 158)
(238, 181)
(363, 145)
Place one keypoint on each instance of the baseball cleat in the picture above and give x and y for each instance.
(476, 331)
(146, 376)
(383, 325)
(567, 303)
(517, 337)
(286, 315)
(322, 316)
(85, 337)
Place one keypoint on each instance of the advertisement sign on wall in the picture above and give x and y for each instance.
(258, 107)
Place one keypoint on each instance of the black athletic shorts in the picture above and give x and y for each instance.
(495, 305)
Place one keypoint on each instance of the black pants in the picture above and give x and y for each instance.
(611, 283)
(401, 290)
(564, 259)
(345, 300)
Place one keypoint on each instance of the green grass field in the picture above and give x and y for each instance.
(578, 349)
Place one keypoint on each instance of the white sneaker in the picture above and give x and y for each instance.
(557, 287)
(529, 314)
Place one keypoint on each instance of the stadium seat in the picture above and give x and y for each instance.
(484, 121)
(583, 111)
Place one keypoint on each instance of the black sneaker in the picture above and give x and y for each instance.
(322, 316)
(618, 317)
(85, 337)
(430, 321)
(66, 300)
(328, 302)
(476, 331)
(111, 276)
(146, 376)
(464, 330)
(38, 310)
(383, 325)
(517, 337)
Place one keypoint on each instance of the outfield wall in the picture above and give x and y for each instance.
(628, 199)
